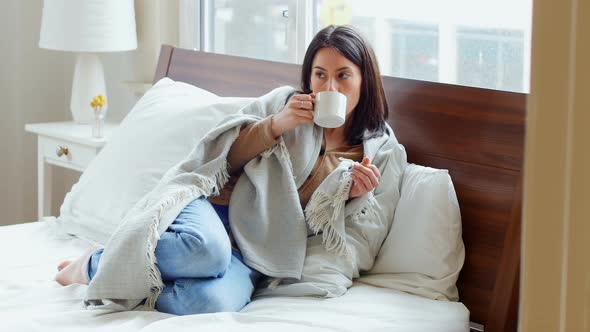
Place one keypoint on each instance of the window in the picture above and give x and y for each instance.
(414, 51)
(253, 28)
(490, 58)
(483, 43)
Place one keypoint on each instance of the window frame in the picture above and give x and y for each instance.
(195, 15)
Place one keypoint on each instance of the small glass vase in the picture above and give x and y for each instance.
(98, 125)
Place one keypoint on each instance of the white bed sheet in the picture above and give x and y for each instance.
(32, 301)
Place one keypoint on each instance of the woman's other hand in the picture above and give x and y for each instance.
(297, 111)
(365, 178)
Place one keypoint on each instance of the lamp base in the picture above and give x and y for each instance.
(88, 83)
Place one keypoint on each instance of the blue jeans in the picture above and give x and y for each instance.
(200, 270)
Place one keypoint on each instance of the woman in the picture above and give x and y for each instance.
(201, 265)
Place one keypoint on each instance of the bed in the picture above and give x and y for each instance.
(477, 134)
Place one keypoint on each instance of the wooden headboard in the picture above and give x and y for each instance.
(477, 134)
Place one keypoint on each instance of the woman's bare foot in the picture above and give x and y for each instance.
(74, 272)
(63, 264)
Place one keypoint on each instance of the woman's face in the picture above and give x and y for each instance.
(331, 71)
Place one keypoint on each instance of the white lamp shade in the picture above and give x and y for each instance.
(88, 25)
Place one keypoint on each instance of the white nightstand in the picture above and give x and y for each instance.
(63, 144)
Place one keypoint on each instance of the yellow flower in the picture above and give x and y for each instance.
(101, 100)
(98, 101)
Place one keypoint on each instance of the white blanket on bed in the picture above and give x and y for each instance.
(33, 302)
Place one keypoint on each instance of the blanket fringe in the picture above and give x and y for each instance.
(275, 283)
(206, 187)
(221, 178)
(285, 156)
(320, 220)
(266, 153)
(154, 276)
(342, 193)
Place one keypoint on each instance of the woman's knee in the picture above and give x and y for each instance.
(216, 252)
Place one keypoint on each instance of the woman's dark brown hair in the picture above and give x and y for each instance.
(371, 111)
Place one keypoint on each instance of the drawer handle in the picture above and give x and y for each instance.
(62, 151)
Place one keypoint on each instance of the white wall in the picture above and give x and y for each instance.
(35, 86)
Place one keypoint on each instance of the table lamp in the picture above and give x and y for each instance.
(87, 27)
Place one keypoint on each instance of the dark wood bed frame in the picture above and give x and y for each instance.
(477, 134)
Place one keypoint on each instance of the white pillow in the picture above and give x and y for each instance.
(423, 252)
(158, 132)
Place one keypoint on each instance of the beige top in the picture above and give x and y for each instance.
(257, 137)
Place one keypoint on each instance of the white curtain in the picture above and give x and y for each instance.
(157, 24)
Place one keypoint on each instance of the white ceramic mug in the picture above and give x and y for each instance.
(330, 109)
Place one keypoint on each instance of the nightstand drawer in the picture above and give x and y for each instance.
(81, 147)
(73, 155)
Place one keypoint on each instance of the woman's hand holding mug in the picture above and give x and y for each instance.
(297, 111)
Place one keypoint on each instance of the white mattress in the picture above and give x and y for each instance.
(32, 301)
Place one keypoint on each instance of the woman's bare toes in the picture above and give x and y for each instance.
(63, 264)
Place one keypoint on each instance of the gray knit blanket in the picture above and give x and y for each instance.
(268, 222)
